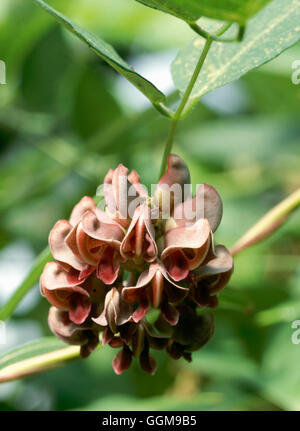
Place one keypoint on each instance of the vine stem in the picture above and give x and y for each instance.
(216, 37)
(38, 364)
(177, 115)
(268, 223)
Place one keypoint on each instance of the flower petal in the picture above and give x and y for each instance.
(122, 360)
(178, 266)
(207, 204)
(185, 248)
(121, 193)
(141, 311)
(64, 328)
(132, 294)
(116, 312)
(170, 313)
(99, 226)
(147, 362)
(60, 249)
(139, 241)
(148, 277)
(194, 331)
(85, 204)
(55, 277)
(138, 340)
(56, 286)
(177, 172)
(80, 308)
(173, 185)
(108, 266)
(218, 270)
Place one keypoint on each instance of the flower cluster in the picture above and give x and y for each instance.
(113, 267)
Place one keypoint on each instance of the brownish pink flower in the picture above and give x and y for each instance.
(85, 335)
(98, 240)
(61, 239)
(170, 190)
(66, 292)
(191, 333)
(156, 286)
(139, 242)
(160, 242)
(123, 193)
(206, 204)
(185, 248)
(115, 313)
(93, 242)
(210, 278)
(135, 341)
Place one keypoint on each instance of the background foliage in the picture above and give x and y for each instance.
(66, 117)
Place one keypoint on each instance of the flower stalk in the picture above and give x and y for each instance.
(177, 115)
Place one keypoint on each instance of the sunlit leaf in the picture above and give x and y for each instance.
(270, 32)
(191, 10)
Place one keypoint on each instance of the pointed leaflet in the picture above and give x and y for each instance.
(191, 10)
(270, 32)
(107, 53)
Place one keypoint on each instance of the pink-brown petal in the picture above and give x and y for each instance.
(157, 289)
(108, 266)
(99, 226)
(171, 187)
(170, 313)
(85, 204)
(221, 265)
(178, 242)
(57, 287)
(177, 265)
(80, 307)
(147, 362)
(206, 203)
(122, 360)
(61, 325)
(60, 249)
(55, 277)
(139, 241)
(152, 274)
(133, 294)
(141, 311)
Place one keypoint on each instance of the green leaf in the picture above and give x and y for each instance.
(191, 10)
(273, 30)
(286, 312)
(280, 378)
(107, 53)
(27, 284)
(35, 357)
(201, 401)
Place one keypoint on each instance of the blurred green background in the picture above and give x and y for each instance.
(66, 118)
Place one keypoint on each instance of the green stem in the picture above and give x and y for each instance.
(38, 364)
(216, 37)
(164, 110)
(177, 115)
(268, 223)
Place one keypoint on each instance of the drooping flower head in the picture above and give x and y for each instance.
(137, 253)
